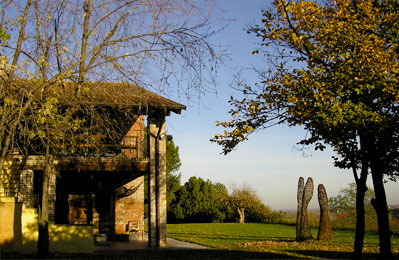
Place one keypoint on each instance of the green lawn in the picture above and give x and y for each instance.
(278, 239)
(238, 241)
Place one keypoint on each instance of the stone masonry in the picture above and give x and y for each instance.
(157, 181)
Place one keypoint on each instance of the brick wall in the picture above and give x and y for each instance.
(135, 139)
(130, 208)
(20, 185)
(6, 224)
(9, 180)
(10, 223)
(129, 199)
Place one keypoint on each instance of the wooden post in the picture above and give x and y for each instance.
(157, 180)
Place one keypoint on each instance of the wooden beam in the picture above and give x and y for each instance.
(82, 163)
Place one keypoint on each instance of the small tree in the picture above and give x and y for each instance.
(244, 198)
(258, 213)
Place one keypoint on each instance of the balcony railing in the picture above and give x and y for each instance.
(130, 147)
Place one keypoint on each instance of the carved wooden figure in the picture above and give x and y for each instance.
(299, 207)
(324, 224)
(304, 229)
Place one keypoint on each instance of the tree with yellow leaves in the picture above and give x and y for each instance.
(333, 69)
(244, 199)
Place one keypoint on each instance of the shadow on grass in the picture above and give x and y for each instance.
(165, 253)
(181, 236)
(336, 255)
(158, 254)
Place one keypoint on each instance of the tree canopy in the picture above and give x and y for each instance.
(332, 68)
(198, 201)
(244, 199)
(173, 162)
(149, 43)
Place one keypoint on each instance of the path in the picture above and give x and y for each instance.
(143, 244)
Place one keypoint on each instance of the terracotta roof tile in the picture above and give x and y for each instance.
(115, 94)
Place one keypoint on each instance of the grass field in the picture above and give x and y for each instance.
(239, 241)
(275, 239)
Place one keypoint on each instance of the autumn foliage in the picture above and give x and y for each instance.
(331, 67)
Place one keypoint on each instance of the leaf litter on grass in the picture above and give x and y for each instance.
(276, 239)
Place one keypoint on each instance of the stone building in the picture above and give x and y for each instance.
(99, 190)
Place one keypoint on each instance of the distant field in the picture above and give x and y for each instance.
(278, 239)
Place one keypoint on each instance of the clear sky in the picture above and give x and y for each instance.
(268, 162)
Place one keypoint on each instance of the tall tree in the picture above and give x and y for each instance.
(173, 179)
(173, 162)
(50, 43)
(333, 69)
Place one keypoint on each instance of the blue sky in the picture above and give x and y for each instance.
(268, 161)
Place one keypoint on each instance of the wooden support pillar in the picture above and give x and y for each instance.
(157, 180)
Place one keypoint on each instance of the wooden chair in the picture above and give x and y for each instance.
(135, 227)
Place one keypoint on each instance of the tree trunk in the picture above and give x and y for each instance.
(360, 213)
(21, 37)
(43, 240)
(85, 36)
(381, 208)
(241, 212)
